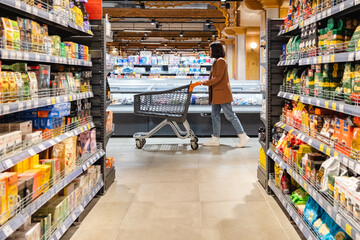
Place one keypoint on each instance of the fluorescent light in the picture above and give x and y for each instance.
(133, 30)
(223, 0)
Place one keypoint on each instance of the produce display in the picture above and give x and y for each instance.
(28, 128)
(21, 82)
(27, 35)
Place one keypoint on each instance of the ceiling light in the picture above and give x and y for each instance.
(165, 44)
(145, 34)
(142, 5)
(127, 44)
(158, 25)
(181, 34)
(199, 44)
(172, 39)
(213, 35)
(208, 22)
(223, 0)
(153, 22)
(144, 48)
(142, 39)
(253, 45)
(209, 39)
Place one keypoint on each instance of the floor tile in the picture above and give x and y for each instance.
(95, 234)
(168, 192)
(120, 192)
(159, 234)
(150, 215)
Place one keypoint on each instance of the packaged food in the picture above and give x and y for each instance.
(7, 33)
(46, 173)
(55, 164)
(33, 84)
(13, 90)
(37, 175)
(16, 35)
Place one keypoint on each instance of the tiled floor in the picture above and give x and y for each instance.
(168, 192)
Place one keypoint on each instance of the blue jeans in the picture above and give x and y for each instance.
(229, 115)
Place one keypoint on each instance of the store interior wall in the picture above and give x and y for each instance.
(252, 64)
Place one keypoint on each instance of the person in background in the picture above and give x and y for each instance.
(220, 97)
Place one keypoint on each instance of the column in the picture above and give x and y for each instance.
(240, 52)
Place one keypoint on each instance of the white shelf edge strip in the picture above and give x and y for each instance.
(13, 107)
(333, 213)
(299, 221)
(19, 219)
(319, 102)
(15, 159)
(76, 212)
(39, 57)
(322, 147)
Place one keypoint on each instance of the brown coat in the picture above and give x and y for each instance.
(219, 85)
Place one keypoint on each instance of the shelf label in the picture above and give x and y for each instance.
(70, 98)
(305, 186)
(35, 11)
(296, 97)
(338, 219)
(52, 100)
(336, 154)
(58, 235)
(8, 163)
(348, 229)
(63, 229)
(332, 58)
(6, 109)
(7, 230)
(31, 152)
(17, 4)
(19, 55)
(310, 142)
(28, 8)
(48, 59)
(328, 150)
(329, 12)
(308, 61)
(342, 6)
(333, 106)
(321, 148)
(12, 54)
(358, 54)
(37, 57)
(326, 104)
(73, 216)
(351, 56)
(51, 17)
(319, 59)
(26, 56)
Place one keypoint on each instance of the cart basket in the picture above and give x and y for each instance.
(171, 104)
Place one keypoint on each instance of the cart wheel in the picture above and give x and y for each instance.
(194, 145)
(196, 139)
(143, 141)
(139, 144)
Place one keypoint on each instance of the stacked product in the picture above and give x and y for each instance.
(35, 175)
(291, 49)
(109, 121)
(21, 81)
(29, 36)
(145, 58)
(337, 130)
(41, 224)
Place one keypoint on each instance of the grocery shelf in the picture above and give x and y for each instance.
(108, 103)
(339, 8)
(319, 102)
(18, 157)
(345, 160)
(109, 134)
(262, 144)
(19, 219)
(40, 57)
(21, 8)
(302, 225)
(13, 107)
(277, 159)
(288, 30)
(332, 58)
(343, 221)
(76, 212)
(192, 109)
(288, 62)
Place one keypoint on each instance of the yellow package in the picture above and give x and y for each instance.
(5, 88)
(13, 86)
(26, 164)
(3, 198)
(19, 167)
(355, 144)
(46, 172)
(7, 33)
(263, 159)
(277, 170)
(34, 160)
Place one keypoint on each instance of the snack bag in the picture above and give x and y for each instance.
(12, 86)
(20, 86)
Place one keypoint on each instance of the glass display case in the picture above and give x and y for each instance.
(246, 94)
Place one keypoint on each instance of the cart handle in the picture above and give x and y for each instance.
(193, 85)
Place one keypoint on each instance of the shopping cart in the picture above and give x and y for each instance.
(172, 105)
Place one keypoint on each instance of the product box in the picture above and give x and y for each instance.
(34, 232)
(4, 127)
(109, 121)
(55, 168)
(37, 176)
(8, 181)
(46, 173)
(34, 160)
(23, 127)
(347, 135)
(2, 146)
(33, 138)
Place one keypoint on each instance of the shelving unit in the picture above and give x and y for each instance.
(343, 219)
(98, 82)
(60, 26)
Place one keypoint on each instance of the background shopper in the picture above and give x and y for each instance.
(220, 96)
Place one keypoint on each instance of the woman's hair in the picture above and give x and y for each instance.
(217, 50)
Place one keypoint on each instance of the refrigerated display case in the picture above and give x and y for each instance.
(247, 105)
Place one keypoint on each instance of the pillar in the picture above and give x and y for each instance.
(240, 58)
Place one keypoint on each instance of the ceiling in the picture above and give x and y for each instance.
(165, 24)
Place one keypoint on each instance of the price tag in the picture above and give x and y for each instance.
(329, 12)
(37, 57)
(51, 17)
(333, 106)
(88, 125)
(52, 100)
(7, 230)
(26, 56)
(58, 235)
(324, 14)
(21, 106)
(12, 55)
(6, 109)
(42, 147)
(348, 229)
(28, 104)
(338, 219)
(305, 186)
(70, 98)
(36, 103)
(19, 55)
(321, 147)
(27, 8)
(351, 56)
(341, 107)
(35, 11)
(336, 154)
(63, 229)
(326, 104)
(351, 164)
(48, 59)
(319, 59)
(328, 151)
(301, 227)
(296, 98)
(73, 216)
(52, 142)
(310, 142)
(308, 61)
(357, 168)
(17, 4)
(31, 152)
(358, 54)
(332, 58)
(57, 139)
(81, 208)
(8, 163)
(342, 6)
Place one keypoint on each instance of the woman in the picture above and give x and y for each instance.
(220, 96)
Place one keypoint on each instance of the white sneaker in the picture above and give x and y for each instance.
(243, 140)
(214, 142)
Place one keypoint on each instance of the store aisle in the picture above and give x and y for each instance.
(168, 192)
